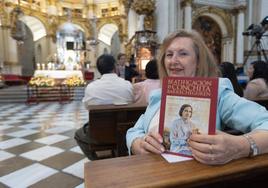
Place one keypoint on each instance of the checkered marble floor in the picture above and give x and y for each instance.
(37, 148)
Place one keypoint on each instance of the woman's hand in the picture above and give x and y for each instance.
(217, 149)
(150, 143)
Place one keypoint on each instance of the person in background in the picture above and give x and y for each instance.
(257, 87)
(123, 68)
(108, 89)
(143, 89)
(184, 53)
(228, 71)
(250, 70)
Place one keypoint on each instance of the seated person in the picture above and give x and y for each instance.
(228, 71)
(143, 89)
(108, 89)
(257, 87)
(184, 53)
(123, 68)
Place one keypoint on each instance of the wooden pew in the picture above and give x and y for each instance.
(108, 125)
(150, 170)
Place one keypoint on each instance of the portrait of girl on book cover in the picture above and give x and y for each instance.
(184, 116)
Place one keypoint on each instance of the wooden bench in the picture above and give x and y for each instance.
(150, 170)
(108, 125)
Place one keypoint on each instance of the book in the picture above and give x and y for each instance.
(188, 106)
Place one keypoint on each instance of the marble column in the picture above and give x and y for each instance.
(239, 36)
(166, 17)
(132, 23)
(227, 53)
(188, 15)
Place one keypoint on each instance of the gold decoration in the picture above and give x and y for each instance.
(53, 26)
(127, 4)
(148, 22)
(74, 81)
(18, 28)
(144, 6)
(42, 81)
(185, 3)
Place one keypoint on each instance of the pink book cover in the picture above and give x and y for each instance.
(188, 106)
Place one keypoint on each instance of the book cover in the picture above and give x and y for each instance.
(188, 106)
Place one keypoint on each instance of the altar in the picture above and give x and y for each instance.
(58, 74)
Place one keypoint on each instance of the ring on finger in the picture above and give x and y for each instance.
(145, 138)
(210, 149)
(212, 157)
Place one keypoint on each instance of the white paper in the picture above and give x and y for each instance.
(175, 158)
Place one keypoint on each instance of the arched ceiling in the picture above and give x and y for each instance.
(36, 26)
(106, 33)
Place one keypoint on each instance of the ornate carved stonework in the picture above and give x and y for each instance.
(127, 4)
(186, 3)
(148, 22)
(143, 6)
(3, 16)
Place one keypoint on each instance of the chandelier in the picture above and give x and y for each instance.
(18, 28)
(145, 38)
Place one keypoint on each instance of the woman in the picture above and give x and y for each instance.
(181, 129)
(257, 88)
(185, 54)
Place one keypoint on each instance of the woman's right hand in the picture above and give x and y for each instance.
(150, 143)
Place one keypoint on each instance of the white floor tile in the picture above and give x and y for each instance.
(42, 153)
(76, 149)
(56, 130)
(77, 169)
(4, 127)
(27, 176)
(5, 155)
(80, 186)
(11, 121)
(12, 143)
(31, 126)
(52, 139)
(22, 133)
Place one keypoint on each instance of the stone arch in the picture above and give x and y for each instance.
(224, 21)
(36, 27)
(106, 32)
(221, 17)
(83, 27)
(116, 22)
(211, 33)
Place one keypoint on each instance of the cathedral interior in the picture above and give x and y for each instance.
(60, 39)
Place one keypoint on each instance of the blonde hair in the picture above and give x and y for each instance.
(206, 63)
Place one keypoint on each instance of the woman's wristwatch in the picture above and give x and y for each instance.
(253, 149)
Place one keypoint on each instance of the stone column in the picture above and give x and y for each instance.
(188, 15)
(227, 53)
(132, 23)
(239, 37)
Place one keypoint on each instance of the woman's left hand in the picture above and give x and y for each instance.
(217, 149)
